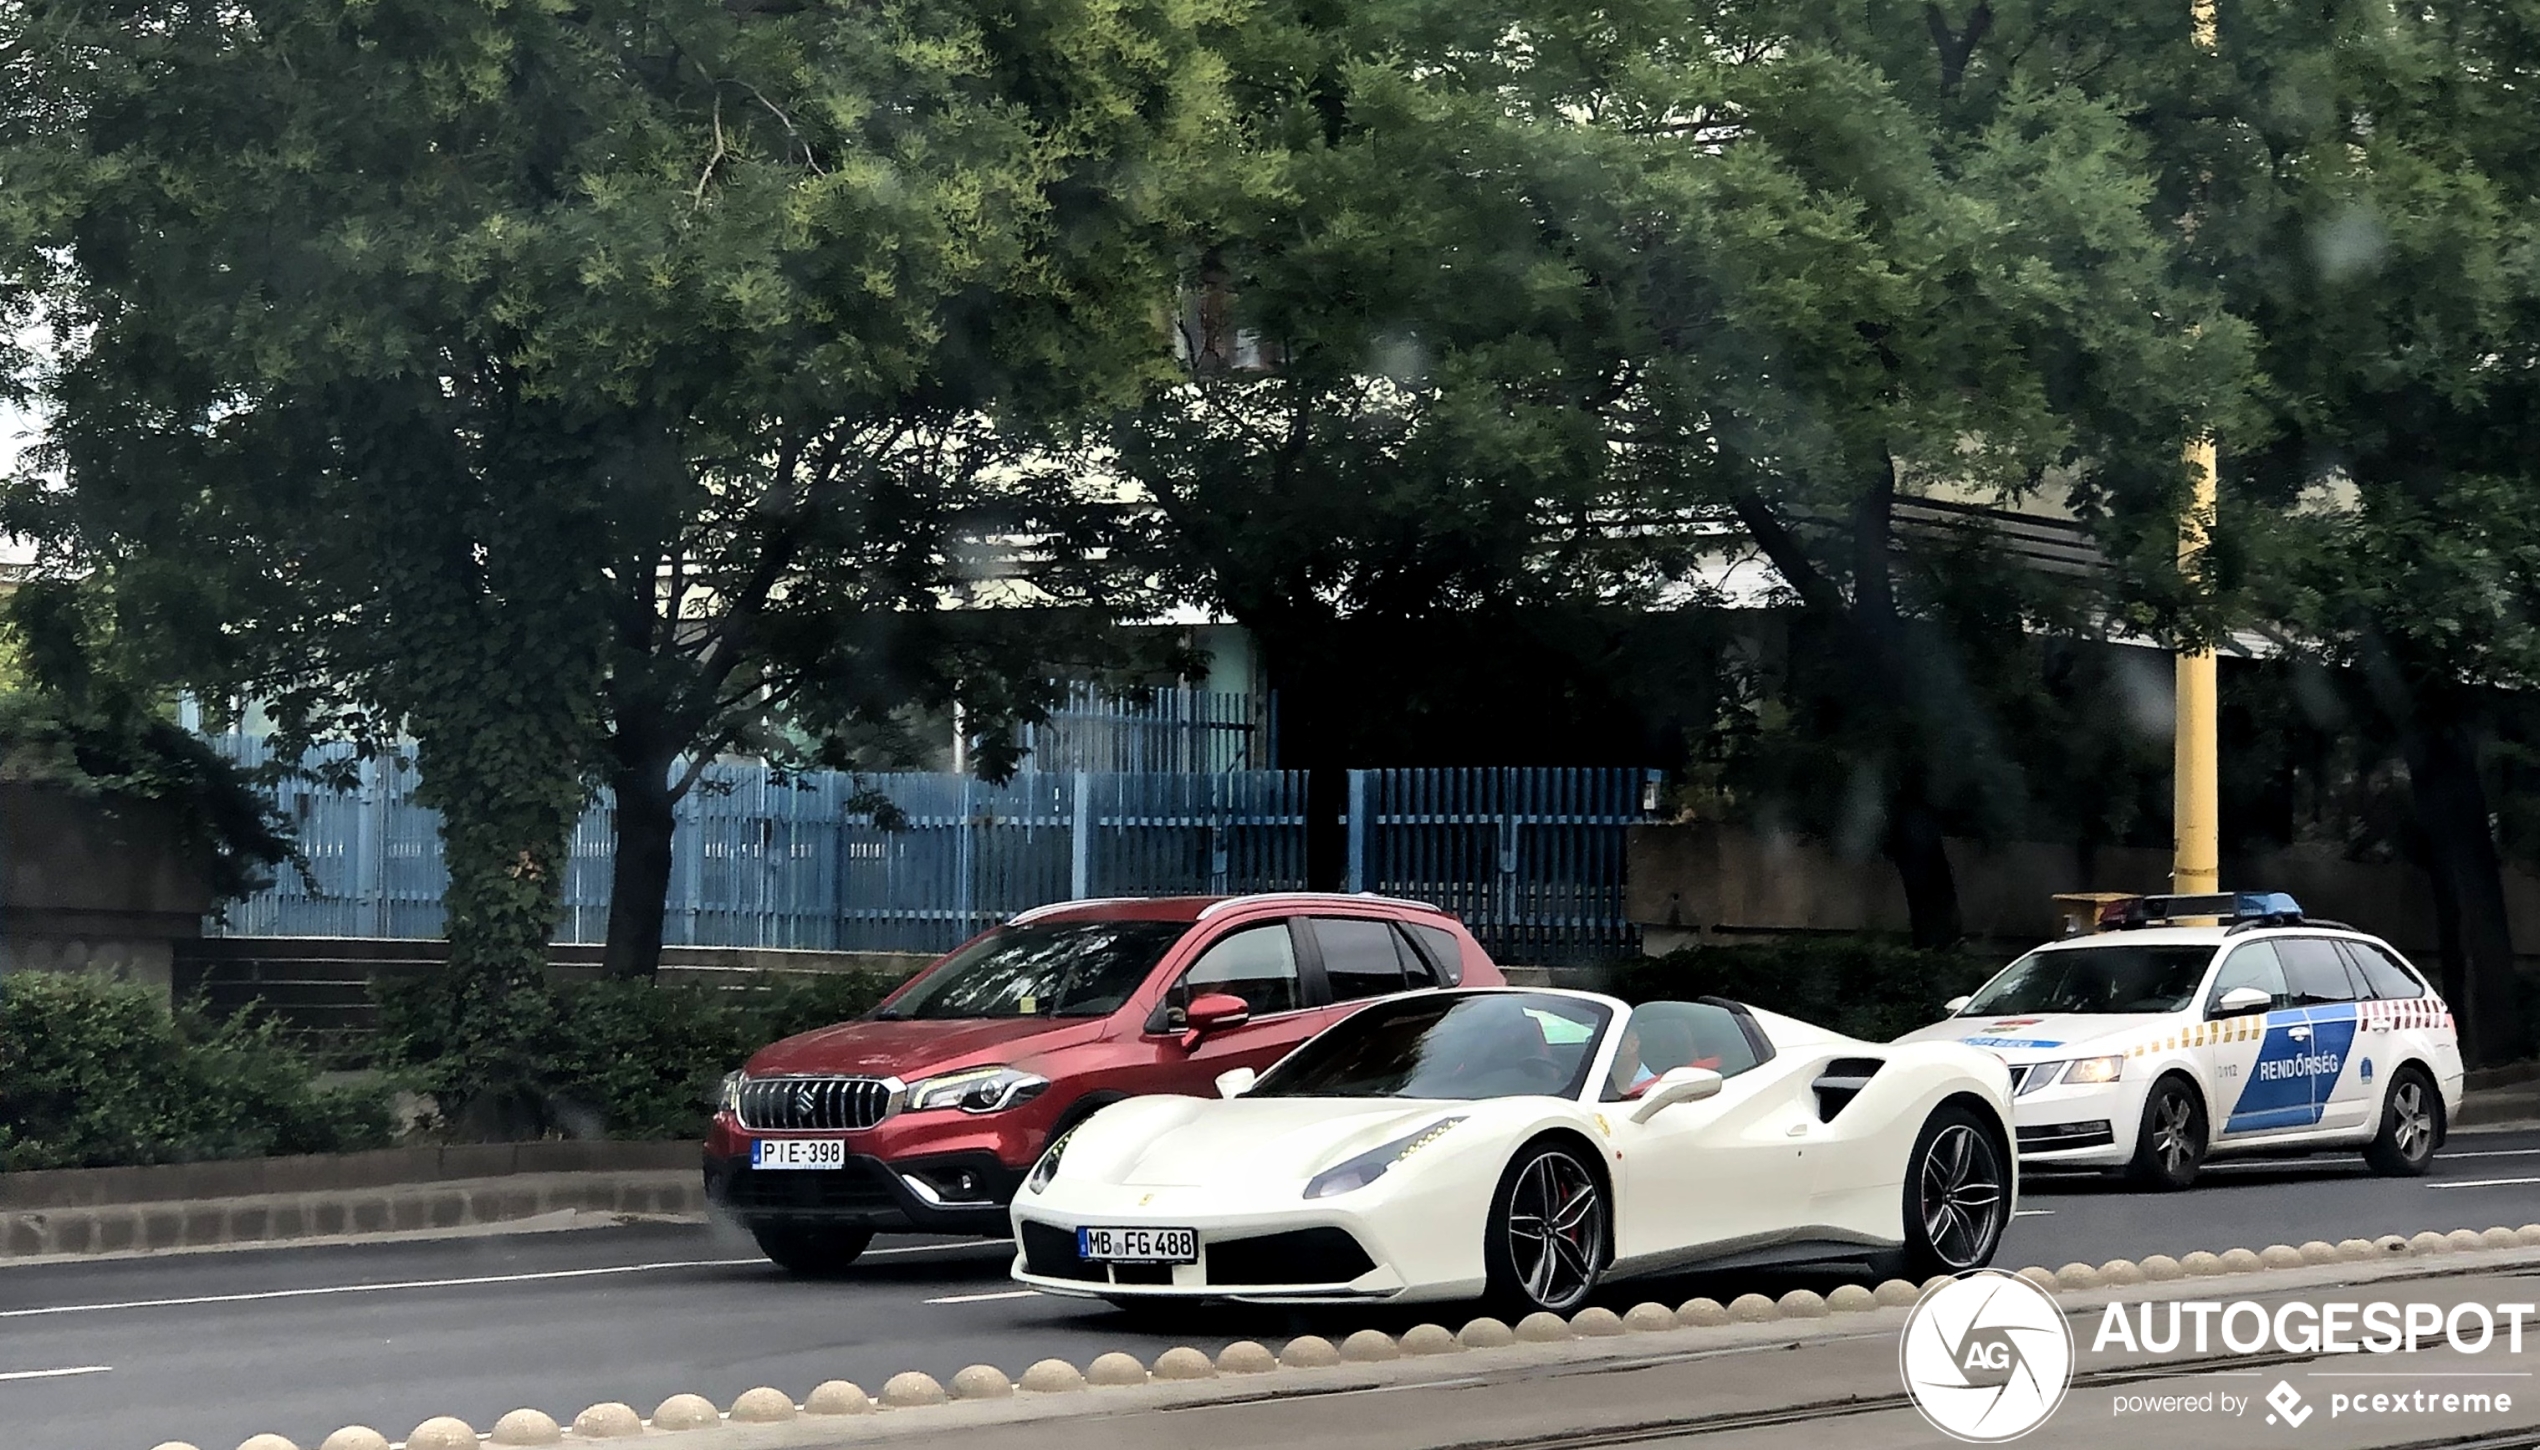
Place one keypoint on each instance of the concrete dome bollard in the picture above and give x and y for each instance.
(1309, 1351)
(1053, 1377)
(609, 1420)
(1486, 1333)
(1753, 1309)
(1543, 1328)
(1802, 1304)
(526, 1427)
(357, 1437)
(909, 1390)
(2202, 1265)
(2242, 1261)
(1895, 1293)
(2430, 1242)
(2499, 1237)
(2528, 1235)
(1649, 1318)
(681, 1412)
(1184, 1363)
(2162, 1269)
(1246, 1356)
(2121, 1273)
(441, 1432)
(1703, 1314)
(980, 1382)
(2319, 1251)
(2281, 1256)
(2465, 1240)
(762, 1406)
(2078, 1275)
(837, 1397)
(1428, 1339)
(1596, 1322)
(1114, 1370)
(2042, 1277)
(267, 1442)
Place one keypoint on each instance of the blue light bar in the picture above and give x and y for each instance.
(2232, 906)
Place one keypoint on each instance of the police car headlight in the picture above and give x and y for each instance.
(2094, 1070)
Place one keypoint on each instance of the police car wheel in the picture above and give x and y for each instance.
(2170, 1146)
(2404, 1148)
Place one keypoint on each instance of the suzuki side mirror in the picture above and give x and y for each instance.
(2240, 1001)
(1212, 1012)
(1676, 1085)
(1236, 1083)
(1955, 1005)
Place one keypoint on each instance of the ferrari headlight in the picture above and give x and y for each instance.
(730, 1099)
(1047, 1168)
(977, 1090)
(2094, 1070)
(1356, 1173)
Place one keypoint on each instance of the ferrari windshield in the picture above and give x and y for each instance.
(1494, 1045)
(1061, 969)
(2118, 977)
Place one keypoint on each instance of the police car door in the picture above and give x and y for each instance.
(2246, 1103)
(2324, 1044)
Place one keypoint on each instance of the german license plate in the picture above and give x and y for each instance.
(798, 1153)
(1138, 1245)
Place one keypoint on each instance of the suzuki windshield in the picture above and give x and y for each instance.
(1062, 969)
(2112, 979)
(1502, 1045)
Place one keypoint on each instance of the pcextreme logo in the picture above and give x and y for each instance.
(1986, 1357)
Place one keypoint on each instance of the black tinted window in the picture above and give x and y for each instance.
(2113, 978)
(1444, 951)
(1063, 969)
(2387, 978)
(2313, 971)
(1435, 1046)
(1361, 958)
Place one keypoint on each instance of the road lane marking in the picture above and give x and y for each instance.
(2483, 1183)
(476, 1281)
(2032, 1213)
(55, 1374)
(985, 1298)
(2497, 1153)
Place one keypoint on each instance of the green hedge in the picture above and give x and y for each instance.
(1866, 987)
(621, 1059)
(98, 1074)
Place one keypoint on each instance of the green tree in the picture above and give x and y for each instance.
(511, 376)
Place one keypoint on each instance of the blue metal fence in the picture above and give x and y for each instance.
(1532, 858)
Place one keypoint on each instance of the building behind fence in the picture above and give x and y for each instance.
(1532, 858)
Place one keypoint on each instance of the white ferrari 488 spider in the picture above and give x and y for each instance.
(1523, 1146)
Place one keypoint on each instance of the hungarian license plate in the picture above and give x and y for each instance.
(798, 1153)
(1138, 1245)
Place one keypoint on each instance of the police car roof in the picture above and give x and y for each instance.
(2200, 935)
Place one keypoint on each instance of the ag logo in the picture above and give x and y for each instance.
(1986, 1357)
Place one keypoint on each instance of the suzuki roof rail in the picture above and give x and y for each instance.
(1327, 897)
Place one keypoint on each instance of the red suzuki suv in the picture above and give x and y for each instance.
(926, 1114)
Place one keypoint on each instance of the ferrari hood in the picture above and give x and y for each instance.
(2042, 1037)
(1237, 1141)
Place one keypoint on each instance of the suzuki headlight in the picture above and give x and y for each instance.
(1047, 1168)
(2087, 1070)
(977, 1090)
(730, 1100)
(1367, 1167)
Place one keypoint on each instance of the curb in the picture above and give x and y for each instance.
(286, 1217)
(766, 1418)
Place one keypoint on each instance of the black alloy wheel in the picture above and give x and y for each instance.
(2170, 1146)
(1957, 1196)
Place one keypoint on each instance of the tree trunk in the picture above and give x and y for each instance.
(1915, 847)
(639, 877)
(2450, 800)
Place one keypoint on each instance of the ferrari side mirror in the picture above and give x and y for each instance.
(1676, 1085)
(1236, 1083)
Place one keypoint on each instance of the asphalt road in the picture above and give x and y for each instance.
(210, 1348)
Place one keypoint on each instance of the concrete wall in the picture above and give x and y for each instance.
(85, 888)
(1712, 883)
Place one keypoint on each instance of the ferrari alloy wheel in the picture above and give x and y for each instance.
(2404, 1148)
(1957, 1196)
(2170, 1146)
(1548, 1232)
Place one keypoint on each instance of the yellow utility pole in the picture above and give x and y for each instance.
(2196, 768)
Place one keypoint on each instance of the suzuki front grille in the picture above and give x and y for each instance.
(813, 1104)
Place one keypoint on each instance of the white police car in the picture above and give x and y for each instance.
(2152, 1046)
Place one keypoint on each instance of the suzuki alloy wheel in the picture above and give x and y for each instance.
(1549, 1234)
(808, 1251)
(1957, 1196)
(2170, 1146)
(2404, 1148)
